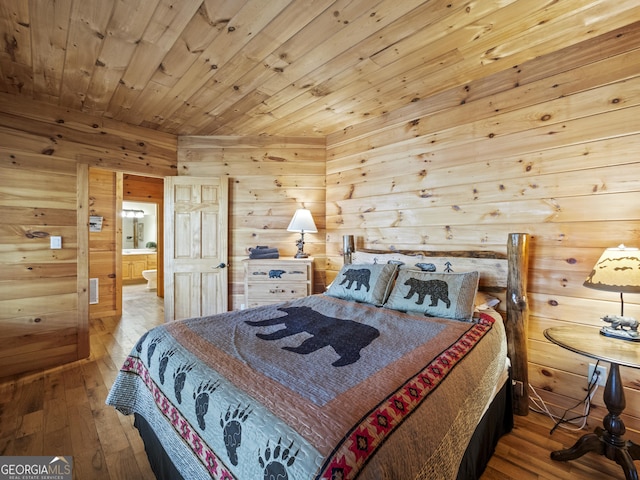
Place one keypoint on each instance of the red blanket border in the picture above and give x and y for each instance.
(355, 449)
(181, 425)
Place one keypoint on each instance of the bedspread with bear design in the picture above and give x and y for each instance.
(318, 387)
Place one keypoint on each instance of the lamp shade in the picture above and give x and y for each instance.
(617, 270)
(302, 221)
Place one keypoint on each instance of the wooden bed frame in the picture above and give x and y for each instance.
(501, 275)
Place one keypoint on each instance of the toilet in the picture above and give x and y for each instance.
(151, 277)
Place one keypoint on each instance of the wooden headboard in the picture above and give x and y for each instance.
(501, 275)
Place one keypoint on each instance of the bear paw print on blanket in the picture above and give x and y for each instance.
(152, 348)
(141, 342)
(276, 468)
(201, 396)
(232, 431)
(179, 377)
(164, 362)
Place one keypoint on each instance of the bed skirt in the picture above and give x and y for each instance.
(497, 421)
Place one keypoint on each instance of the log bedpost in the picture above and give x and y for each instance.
(348, 247)
(517, 319)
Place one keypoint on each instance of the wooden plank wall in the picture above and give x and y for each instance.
(38, 289)
(105, 199)
(550, 147)
(268, 179)
(42, 323)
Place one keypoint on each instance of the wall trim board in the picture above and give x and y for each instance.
(83, 260)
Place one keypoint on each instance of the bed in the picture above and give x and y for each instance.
(393, 373)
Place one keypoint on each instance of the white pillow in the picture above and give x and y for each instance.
(484, 301)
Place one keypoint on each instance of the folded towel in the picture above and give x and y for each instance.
(263, 252)
(256, 256)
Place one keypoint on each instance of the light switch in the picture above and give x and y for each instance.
(56, 242)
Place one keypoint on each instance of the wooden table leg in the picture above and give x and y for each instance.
(608, 442)
(623, 458)
(634, 450)
(591, 442)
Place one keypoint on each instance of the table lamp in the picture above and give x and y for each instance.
(618, 270)
(302, 222)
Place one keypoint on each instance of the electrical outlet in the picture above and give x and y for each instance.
(518, 388)
(56, 242)
(602, 374)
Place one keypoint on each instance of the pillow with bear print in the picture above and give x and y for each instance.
(365, 283)
(445, 295)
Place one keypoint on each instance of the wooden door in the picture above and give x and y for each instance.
(195, 236)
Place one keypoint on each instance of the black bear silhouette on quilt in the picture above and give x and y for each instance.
(346, 337)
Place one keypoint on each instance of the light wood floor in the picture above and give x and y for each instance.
(62, 411)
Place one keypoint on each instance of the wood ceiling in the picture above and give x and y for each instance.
(275, 67)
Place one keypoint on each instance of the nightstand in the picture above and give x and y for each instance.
(277, 280)
(609, 442)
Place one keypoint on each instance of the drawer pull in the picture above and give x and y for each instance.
(276, 273)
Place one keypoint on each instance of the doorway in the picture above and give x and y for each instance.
(143, 194)
(139, 245)
(107, 190)
(142, 247)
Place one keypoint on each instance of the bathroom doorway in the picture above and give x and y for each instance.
(142, 240)
(140, 244)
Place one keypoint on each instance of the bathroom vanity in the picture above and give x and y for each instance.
(134, 262)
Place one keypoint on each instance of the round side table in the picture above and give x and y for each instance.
(608, 441)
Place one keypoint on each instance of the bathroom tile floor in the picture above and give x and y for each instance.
(140, 303)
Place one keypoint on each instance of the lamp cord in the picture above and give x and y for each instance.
(560, 421)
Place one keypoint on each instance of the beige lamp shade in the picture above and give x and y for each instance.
(617, 270)
(302, 221)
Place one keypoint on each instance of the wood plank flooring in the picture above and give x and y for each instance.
(61, 411)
